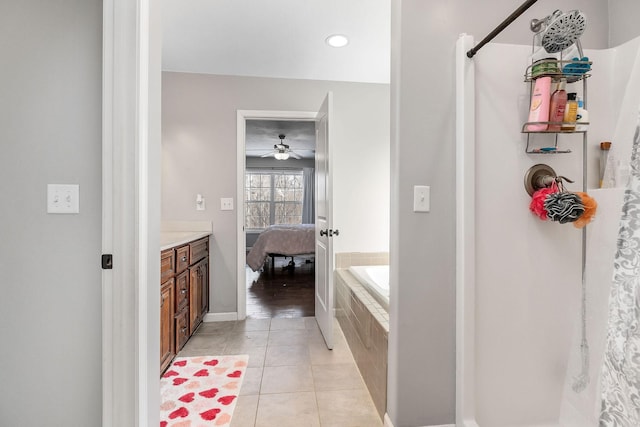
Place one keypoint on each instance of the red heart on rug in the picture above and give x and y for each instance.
(209, 393)
(170, 374)
(235, 374)
(163, 424)
(180, 412)
(226, 400)
(202, 373)
(180, 363)
(178, 381)
(212, 362)
(210, 414)
(187, 397)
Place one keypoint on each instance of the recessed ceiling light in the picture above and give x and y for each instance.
(337, 40)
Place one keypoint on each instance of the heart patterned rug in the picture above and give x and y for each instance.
(201, 391)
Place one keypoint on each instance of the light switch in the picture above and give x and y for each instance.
(200, 203)
(63, 198)
(226, 204)
(421, 198)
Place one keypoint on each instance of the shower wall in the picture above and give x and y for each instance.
(528, 272)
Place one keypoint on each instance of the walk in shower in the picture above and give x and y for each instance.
(519, 279)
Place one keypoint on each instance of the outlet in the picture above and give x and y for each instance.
(63, 198)
(226, 204)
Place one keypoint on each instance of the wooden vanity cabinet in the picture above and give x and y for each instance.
(184, 295)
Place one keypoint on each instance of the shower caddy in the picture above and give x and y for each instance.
(531, 75)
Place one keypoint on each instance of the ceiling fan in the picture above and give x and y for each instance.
(282, 151)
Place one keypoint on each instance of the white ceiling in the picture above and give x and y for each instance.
(278, 38)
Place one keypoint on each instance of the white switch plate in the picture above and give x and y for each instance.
(63, 198)
(421, 198)
(226, 204)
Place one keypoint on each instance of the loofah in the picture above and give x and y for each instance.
(590, 206)
(563, 207)
(537, 201)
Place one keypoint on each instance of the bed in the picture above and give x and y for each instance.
(282, 240)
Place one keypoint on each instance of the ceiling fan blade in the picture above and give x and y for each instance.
(271, 154)
(294, 155)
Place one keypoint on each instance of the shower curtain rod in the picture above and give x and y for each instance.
(519, 11)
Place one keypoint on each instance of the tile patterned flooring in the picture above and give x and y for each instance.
(292, 379)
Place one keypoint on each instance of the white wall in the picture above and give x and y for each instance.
(50, 132)
(421, 387)
(199, 156)
(623, 21)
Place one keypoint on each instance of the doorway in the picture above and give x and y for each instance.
(277, 151)
(279, 211)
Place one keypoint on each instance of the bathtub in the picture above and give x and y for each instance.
(376, 279)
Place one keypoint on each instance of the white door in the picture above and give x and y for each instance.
(324, 223)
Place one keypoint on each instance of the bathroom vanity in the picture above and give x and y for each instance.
(184, 289)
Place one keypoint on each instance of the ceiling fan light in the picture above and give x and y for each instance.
(281, 156)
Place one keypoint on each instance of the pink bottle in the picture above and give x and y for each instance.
(539, 111)
(558, 105)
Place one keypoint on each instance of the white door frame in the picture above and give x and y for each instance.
(243, 116)
(130, 208)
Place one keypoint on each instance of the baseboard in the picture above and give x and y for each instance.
(388, 423)
(220, 317)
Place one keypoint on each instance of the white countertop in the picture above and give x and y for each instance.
(169, 239)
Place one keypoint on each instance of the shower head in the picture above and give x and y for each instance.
(560, 30)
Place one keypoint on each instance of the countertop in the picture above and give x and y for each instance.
(169, 239)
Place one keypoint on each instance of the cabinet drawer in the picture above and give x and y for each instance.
(182, 329)
(182, 258)
(167, 265)
(182, 290)
(198, 250)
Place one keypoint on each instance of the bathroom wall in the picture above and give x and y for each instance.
(199, 156)
(623, 21)
(50, 132)
(422, 330)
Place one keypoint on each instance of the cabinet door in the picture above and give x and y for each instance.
(167, 336)
(195, 297)
(204, 307)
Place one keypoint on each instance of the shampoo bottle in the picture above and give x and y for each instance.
(539, 111)
(557, 107)
(570, 112)
(582, 117)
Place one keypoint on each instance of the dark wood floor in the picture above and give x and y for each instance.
(281, 292)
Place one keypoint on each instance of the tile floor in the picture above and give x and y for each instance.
(292, 379)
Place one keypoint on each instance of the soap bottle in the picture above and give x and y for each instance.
(558, 106)
(539, 110)
(582, 117)
(570, 113)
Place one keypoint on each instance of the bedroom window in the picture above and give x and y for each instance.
(273, 197)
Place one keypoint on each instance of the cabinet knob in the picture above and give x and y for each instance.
(183, 259)
(183, 291)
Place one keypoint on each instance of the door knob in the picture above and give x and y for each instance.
(334, 233)
(324, 232)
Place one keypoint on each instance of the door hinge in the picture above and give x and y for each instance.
(107, 261)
